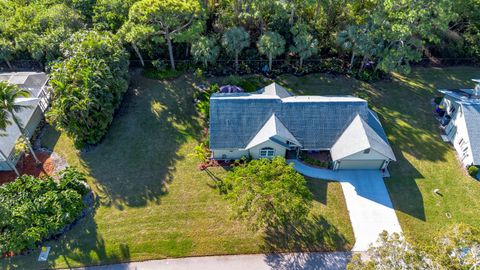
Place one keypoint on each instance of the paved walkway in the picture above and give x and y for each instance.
(368, 202)
(308, 261)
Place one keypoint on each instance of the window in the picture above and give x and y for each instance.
(452, 109)
(366, 151)
(267, 152)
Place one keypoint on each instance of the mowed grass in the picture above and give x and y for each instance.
(153, 203)
(424, 162)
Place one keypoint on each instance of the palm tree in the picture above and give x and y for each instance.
(4, 122)
(8, 95)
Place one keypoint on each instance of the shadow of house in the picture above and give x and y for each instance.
(139, 153)
(404, 193)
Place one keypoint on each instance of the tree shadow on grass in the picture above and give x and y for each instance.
(81, 245)
(139, 153)
(314, 234)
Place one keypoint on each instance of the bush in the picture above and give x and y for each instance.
(88, 85)
(33, 209)
(309, 160)
(473, 171)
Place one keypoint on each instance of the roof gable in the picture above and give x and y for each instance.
(273, 127)
(357, 137)
(274, 89)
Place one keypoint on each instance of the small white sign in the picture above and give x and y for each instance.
(44, 254)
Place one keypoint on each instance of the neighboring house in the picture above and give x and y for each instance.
(273, 122)
(462, 122)
(36, 85)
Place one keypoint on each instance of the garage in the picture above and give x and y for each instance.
(360, 164)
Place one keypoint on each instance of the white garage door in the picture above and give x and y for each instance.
(360, 164)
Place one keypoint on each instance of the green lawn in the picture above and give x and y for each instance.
(424, 161)
(153, 203)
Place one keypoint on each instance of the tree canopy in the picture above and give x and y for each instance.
(268, 193)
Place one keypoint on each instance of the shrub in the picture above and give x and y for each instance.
(88, 85)
(473, 171)
(34, 209)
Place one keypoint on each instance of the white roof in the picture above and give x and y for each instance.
(12, 133)
(273, 127)
(357, 137)
(33, 82)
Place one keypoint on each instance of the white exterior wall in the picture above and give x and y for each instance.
(254, 152)
(230, 154)
(373, 155)
(459, 122)
(279, 150)
(361, 160)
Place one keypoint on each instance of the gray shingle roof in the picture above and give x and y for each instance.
(315, 121)
(472, 119)
(357, 137)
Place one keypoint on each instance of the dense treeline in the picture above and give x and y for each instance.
(380, 35)
(366, 38)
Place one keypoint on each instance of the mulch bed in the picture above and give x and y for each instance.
(26, 165)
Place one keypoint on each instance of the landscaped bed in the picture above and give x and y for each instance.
(51, 163)
(33, 210)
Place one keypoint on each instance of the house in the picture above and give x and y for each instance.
(36, 84)
(461, 122)
(273, 122)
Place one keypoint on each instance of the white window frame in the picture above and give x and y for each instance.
(267, 152)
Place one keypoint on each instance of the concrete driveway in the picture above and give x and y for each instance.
(368, 202)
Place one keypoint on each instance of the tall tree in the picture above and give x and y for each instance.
(305, 45)
(205, 50)
(234, 40)
(165, 18)
(271, 44)
(6, 51)
(9, 93)
(268, 193)
(392, 251)
(111, 14)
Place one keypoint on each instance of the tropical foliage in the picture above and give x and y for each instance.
(457, 247)
(267, 193)
(33, 209)
(205, 50)
(88, 85)
(382, 35)
(271, 44)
